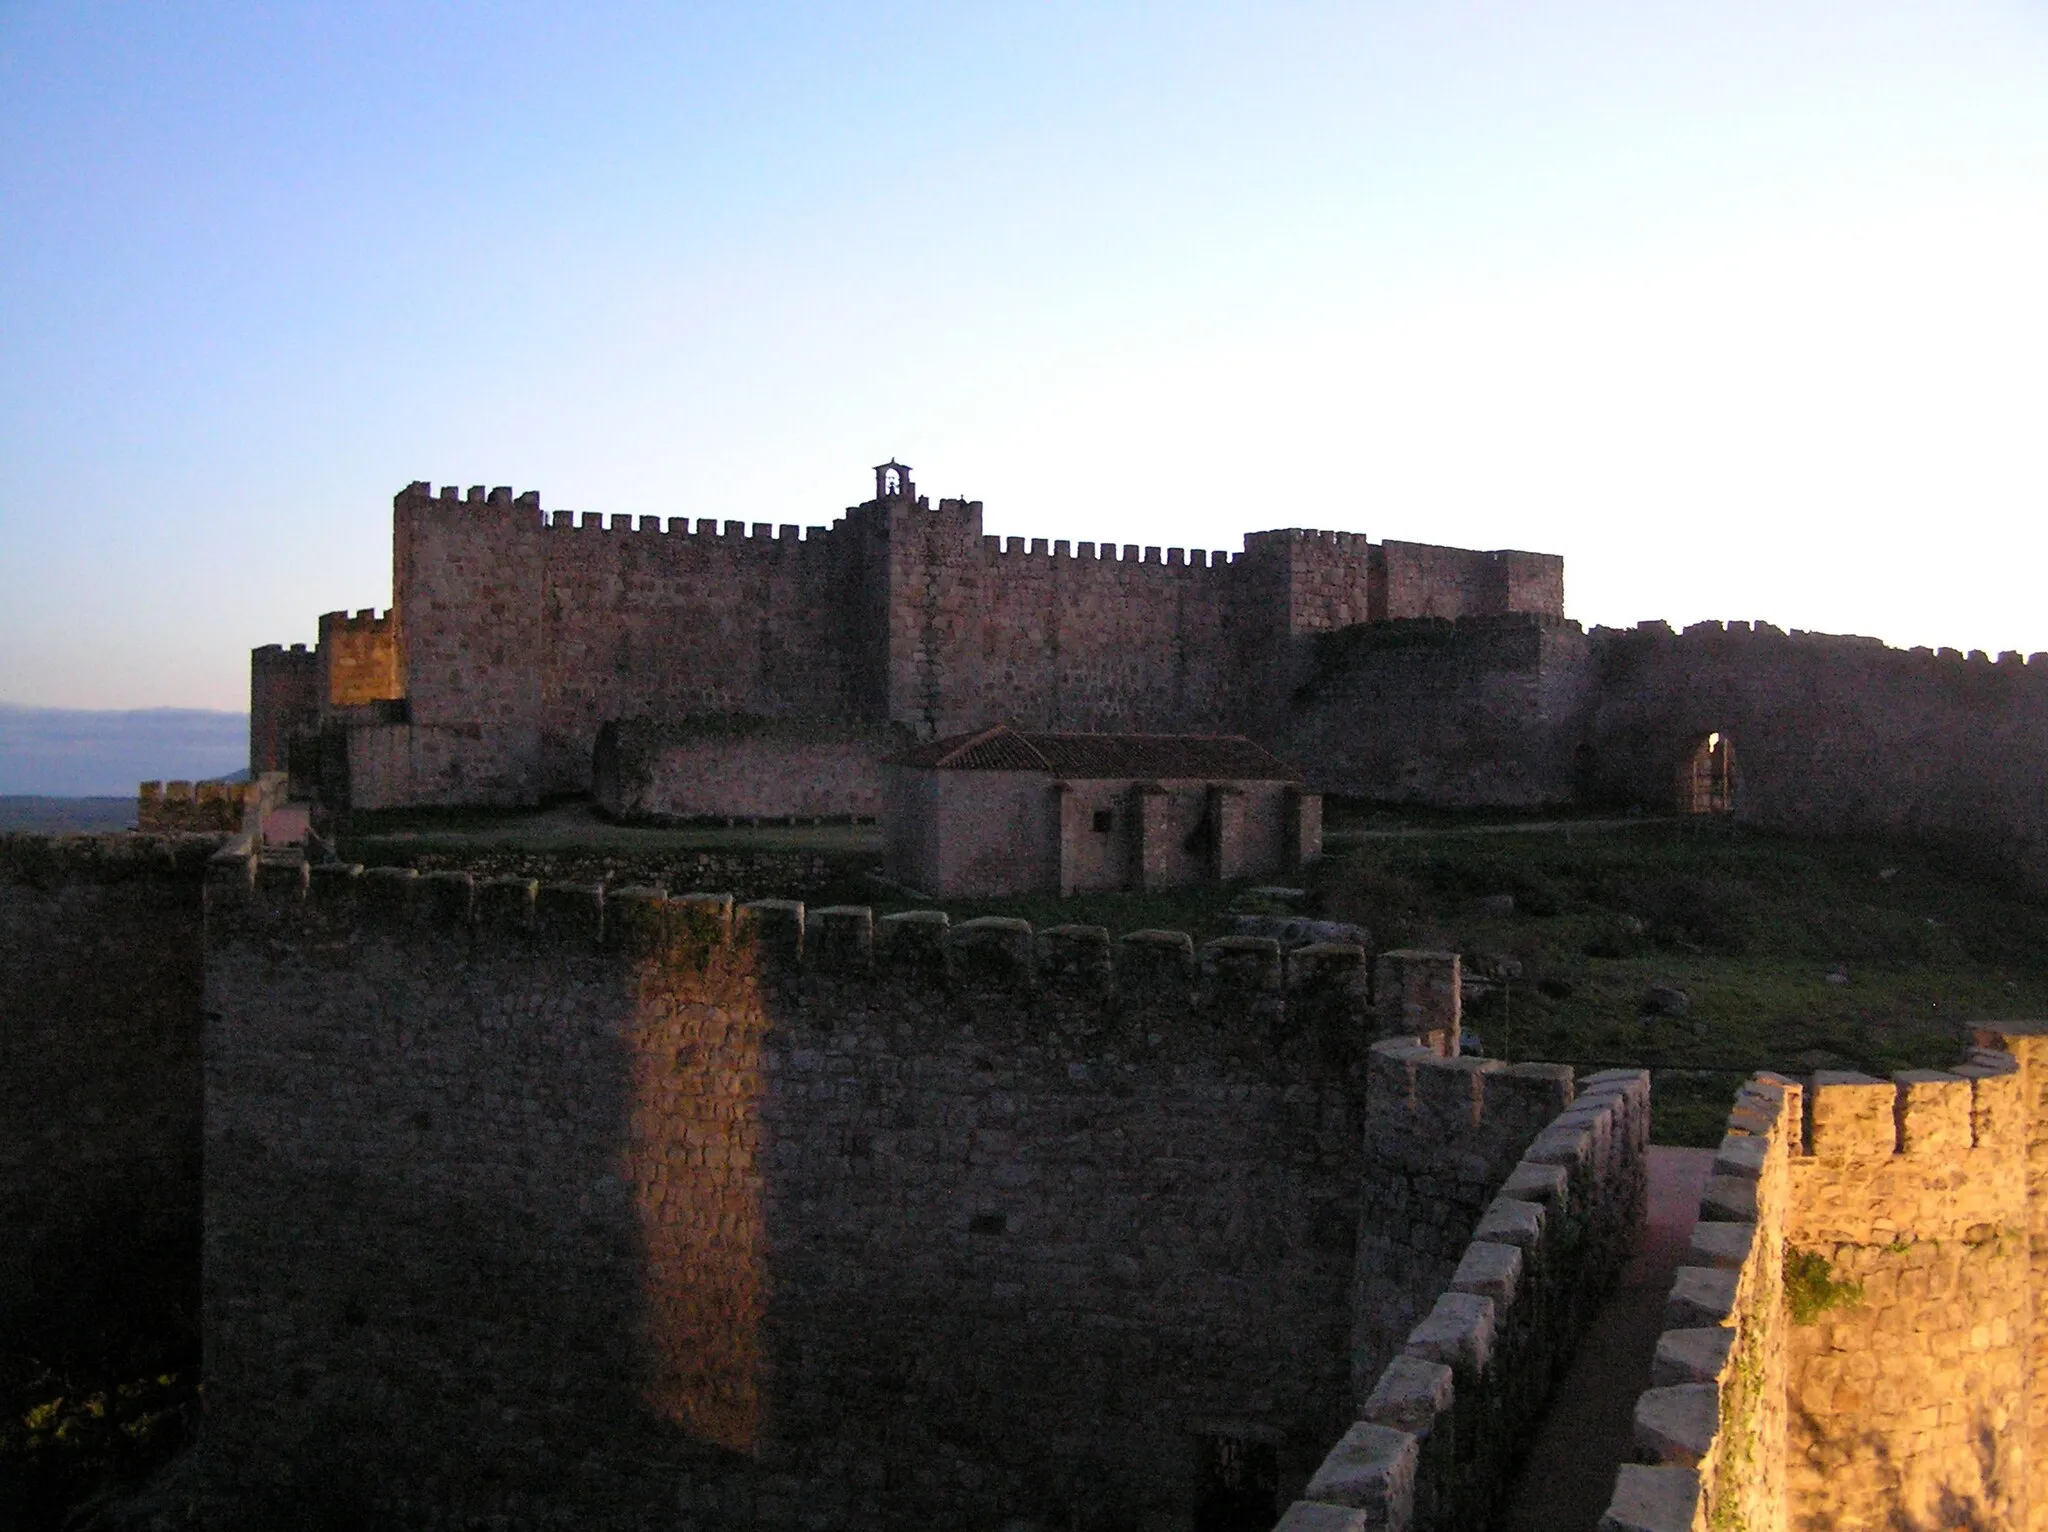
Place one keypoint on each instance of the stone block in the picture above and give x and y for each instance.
(995, 950)
(1700, 1296)
(1509, 1222)
(1692, 1356)
(913, 940)
(1933, 1111)
(1491, 1270)
(1372, 1468)
(840, 937)
(1722, 1245)
(1742, 1156)
(1458, 1332)
(1660, 1499)
(1531, 1182)
(1676, 1425)
(1728, 1199)
(1411, 1394)
(1853, 1117)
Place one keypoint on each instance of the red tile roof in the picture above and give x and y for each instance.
(1212, 757)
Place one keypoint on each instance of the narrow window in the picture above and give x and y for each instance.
(1105, 821)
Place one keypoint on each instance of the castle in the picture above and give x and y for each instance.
(766, 670)
(515, 635)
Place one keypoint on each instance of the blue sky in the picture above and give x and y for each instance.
(1740, 307)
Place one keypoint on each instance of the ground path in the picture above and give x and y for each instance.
(1587, 1432)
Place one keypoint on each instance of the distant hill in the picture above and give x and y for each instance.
(66, 814)
(74, 752)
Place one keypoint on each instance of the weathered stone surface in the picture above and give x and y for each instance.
(1648, 1499)
(1676, 1424)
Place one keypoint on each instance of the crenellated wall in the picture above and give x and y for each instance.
(1832, 735)
(1858, 1339)
(515, 634)
(545, 1203)
(1514, 1205)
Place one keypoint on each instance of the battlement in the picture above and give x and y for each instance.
(1061, 549)
(1765, 633)
(367, 621)
(248, 894)
(49, 861)
(1446, 1417)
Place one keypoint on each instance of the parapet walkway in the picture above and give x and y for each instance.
(1588, 1431)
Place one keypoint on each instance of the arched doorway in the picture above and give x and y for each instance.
(1706, 777)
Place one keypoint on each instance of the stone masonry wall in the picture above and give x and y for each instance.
(284, 698)
(584, 1211)
(519, 633)
(747, 767)
(1443, 1423)
(1484, 710)
(99, 1070)
(1832, 735)
(1442, 1135)
(1905, 1213)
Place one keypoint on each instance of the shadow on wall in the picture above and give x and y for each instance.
(1950, 1506)
(558, 1209)
(494, 1275)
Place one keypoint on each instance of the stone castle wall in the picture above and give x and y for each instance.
(1445, 1419)
(100, 947)
(516, 634)
(1907, 1214)
(1832, 735)
(723, 767)
(1481, 710)
(540, 1204)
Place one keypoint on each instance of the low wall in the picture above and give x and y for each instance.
(1443, 1422)
(740, 768)
(99, 1074)
(1857, 1339)
(185, 808)
(574, 1209)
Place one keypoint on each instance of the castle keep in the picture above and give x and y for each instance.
(516, 634)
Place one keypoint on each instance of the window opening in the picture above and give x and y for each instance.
(1105, 821)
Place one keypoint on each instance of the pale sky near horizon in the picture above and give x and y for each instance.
(1742, 308)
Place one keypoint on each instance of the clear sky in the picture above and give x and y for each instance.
(1742, 307)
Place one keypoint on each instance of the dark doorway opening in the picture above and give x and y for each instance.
(1239, 1487)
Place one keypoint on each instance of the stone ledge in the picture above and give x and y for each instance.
(1458, 1332)
(1692, 1356)
(1701, 1296)
(1372, 1468)
(1410, 1395)
(1722, 1245)
(1677, 1424)
(1654, 1500)
(1491, 1270)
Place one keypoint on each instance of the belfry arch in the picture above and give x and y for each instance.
(1706, 776)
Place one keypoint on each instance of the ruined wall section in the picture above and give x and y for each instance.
(546, 1204)
(1484, 710)
(99, 1077)
(1443, 1424)
(1832, 735)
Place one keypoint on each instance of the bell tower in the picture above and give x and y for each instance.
(892, 481)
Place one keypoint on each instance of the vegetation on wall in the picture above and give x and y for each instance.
(1812, 1288)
